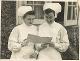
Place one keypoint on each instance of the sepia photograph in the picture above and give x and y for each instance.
(40, 30)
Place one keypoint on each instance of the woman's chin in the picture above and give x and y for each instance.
(49, 22)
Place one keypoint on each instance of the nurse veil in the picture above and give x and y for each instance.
(17, 43)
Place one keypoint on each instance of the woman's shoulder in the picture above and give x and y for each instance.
(59, 25)
(18, 27)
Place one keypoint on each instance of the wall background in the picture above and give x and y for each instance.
(8, 22)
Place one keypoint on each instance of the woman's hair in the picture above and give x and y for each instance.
(47, 11)
(28, 13)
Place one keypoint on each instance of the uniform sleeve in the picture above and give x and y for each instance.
(13, 43)
(62, 41)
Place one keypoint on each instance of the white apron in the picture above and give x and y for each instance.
(50, 31)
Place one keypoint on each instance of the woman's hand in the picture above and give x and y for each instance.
(30, 44)
(37, 47)
(34, 55)
(16, 47)
(40, 47)
(24, 43)
(44, 45)
(51, 44)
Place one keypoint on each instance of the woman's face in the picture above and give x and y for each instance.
(29, 19)
(49, 17)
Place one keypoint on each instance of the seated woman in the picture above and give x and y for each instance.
(17, 44)
(50, 28)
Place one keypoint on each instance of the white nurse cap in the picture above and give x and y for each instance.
(23, 9)
(54, 6)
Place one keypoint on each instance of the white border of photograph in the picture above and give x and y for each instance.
(37, 0)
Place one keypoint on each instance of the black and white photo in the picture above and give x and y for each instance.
(40, 30)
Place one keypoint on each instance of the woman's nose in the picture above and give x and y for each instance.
(31, 20)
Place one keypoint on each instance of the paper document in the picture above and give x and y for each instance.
(38, 39)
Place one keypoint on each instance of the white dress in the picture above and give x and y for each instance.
(18, 34)
(59, 38)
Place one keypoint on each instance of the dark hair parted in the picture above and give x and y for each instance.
(28, 13)
(47, 11)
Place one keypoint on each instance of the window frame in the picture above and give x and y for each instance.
(20, 3)
(66, 21)
(71, 21)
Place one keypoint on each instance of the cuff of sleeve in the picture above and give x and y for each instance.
(58, 47)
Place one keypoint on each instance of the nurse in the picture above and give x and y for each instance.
(50, 28)
(17, 44)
